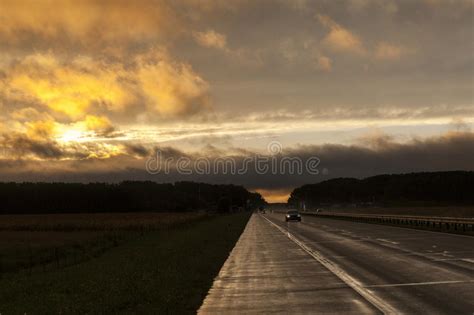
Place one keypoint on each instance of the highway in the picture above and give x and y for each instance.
(324, 265)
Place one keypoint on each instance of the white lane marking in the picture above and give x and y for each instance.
(429, 252)
(456, 259)
(387, 241)
(417, 283)
(380, 304)
(445, 254)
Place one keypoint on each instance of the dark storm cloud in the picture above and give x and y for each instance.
(21, 146)
(137, 149)
(452, 151)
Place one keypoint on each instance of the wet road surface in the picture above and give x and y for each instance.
(333, 266)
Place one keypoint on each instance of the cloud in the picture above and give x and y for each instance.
(171, 88)
(358, 5)
(340, 39)
(324, 64)
(388, 51)
(21, 146)
(462, 4)
(87, 23)
(299, 5)
(38, 144)
(376, 139)
(69, 89)
(34, 141)
(40, 129)
(389, 7)
(29, 114)
(61, 107)
(450, 151)
(137, 150)
(211, 39)
(404, 114)
(71, 61)
(72, 89)
(381, 154)
(99, 124)
(458, 124)
(289, 50)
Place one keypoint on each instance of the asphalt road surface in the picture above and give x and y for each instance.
(332, 266)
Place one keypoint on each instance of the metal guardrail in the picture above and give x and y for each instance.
(449, 224)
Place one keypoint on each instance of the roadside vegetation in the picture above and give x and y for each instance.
(415, 191)
(129, 196)
(162, 270)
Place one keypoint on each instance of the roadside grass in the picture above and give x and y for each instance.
(161, 271)
(27, 251)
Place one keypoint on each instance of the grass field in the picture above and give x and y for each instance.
(26, 250)
(160, 271)
(32, 242)
(93, 221)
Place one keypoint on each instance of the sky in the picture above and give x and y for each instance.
(91, 90)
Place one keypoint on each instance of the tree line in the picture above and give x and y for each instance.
(414, 189)
(128, 196)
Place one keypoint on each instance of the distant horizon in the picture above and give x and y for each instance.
(281, 197)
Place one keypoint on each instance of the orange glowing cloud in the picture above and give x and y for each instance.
(63, 107)
(340, 39)
(40, 129)
(75, 89)
(211, 39)
(389, 51)
(65, 88)
(66, 19)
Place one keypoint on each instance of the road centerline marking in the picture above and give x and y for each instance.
(378, 303)
(417, 283)
(387, 241)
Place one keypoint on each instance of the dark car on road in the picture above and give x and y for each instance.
(293, 215)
